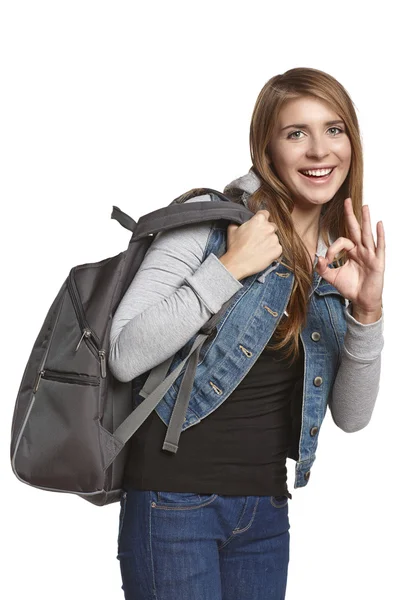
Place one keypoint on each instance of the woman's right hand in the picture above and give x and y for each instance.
(252, 246)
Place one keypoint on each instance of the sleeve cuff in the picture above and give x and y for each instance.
(363, 340)
(213, 283)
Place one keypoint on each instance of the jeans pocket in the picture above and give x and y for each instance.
(279, 501)
(181, 500)
(122, 510)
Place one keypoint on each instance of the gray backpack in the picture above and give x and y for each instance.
(72, 419)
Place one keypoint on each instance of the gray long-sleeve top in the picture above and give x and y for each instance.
(175, 292)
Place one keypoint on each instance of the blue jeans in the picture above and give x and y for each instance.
(187, 546)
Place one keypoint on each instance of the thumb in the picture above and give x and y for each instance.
(231, 229)
(233, 226)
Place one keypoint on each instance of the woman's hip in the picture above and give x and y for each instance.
(172, 544)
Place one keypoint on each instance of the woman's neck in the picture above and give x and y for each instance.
(306, 224)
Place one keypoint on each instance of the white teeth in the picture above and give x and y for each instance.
(318, 172)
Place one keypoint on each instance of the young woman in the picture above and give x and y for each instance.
(303, 331)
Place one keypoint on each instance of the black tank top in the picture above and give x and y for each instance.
(238, 449)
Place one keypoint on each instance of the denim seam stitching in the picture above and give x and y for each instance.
(159, 498)
(225, 316)
(251, 520)
(123, 509)
(151, 553)
(165, 507)
(279, 505)
(334, 326)
(231, 537)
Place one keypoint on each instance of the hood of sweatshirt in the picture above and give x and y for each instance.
(242, 187)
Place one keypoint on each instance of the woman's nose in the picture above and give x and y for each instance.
(318, 147)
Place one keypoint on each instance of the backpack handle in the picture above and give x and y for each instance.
(123, 219)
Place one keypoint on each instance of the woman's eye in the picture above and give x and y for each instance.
(293, 132)
(338, 128)
(298, 131)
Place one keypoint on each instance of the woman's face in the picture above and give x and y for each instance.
(304, 138)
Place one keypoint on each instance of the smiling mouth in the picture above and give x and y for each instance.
(317, 178)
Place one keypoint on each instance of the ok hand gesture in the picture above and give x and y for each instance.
(360, 279)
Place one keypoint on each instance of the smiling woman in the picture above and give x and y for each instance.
(311, 124)
(293, 337)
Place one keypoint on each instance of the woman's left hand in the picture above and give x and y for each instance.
(360, 279)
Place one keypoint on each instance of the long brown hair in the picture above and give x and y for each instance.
(275, 196)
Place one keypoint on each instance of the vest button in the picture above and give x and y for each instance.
(307, 475)
(318, 381)
(315, 336)
(313, 430)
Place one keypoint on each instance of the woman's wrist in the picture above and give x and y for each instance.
(366, 316)
(232, 266)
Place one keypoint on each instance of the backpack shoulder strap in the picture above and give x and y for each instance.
(175, 215)
(128, 427)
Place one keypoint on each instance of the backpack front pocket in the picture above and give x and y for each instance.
(64, 377)
(60, 443)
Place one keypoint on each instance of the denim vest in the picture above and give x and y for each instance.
(241, 335)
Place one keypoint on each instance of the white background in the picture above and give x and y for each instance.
(131, 104)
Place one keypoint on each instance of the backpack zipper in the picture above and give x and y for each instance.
(87, 334)
(64, 377)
